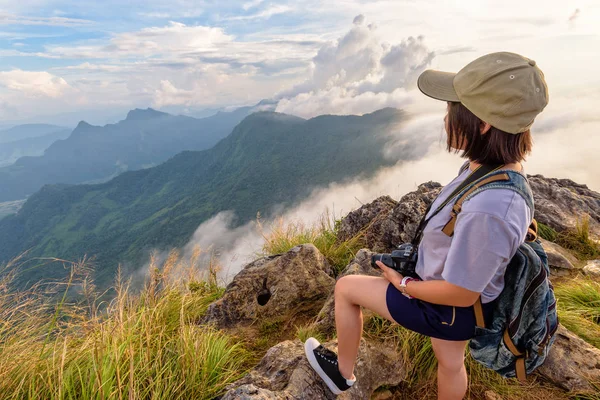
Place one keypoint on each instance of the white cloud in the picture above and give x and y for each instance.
(175, 38)
(251, 4)
(357, 74)
(13, 19)
(264, 14)
(342, 101)
(167, 94)
(34, 83)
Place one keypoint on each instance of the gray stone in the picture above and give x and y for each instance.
(385, 223)
(572, 363)
(360, 265)
(562, 203)
(297, 282)
(558, 257)
(284, 374)
(592, 268)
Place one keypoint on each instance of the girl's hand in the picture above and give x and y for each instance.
(393, 276)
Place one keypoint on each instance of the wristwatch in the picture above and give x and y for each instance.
(403, 283)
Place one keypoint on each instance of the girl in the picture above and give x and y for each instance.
(491, 105)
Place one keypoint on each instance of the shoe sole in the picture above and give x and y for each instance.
(309, 346)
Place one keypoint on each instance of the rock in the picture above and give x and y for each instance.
(296, 282)
(284, 373)
(386, 223)
(558, 258)
(562, 203)
(383, 395)
(572, 363)
(490, 395)
(360, 265)
(592, 268)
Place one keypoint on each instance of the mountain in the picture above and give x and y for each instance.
(94, 154)
(269, 159)
(27, 131)
(31, 146)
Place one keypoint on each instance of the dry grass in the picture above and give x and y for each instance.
(283, 236)
(579, 308)
(137, 346)
(579, 242)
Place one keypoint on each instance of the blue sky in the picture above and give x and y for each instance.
(105, 57)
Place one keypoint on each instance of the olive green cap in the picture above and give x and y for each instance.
(503, 89)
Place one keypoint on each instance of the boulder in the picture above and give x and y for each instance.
(284, 373)
(297, 282)
(360, 265)
(562, 203)
(572, 363)
(387, 223)
(560, 260)
(592, 268)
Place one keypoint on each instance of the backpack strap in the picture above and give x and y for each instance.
(448, 229)
(520, 370)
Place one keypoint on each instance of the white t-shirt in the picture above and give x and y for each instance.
(487, 234)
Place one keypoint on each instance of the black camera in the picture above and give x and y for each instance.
(403, 260)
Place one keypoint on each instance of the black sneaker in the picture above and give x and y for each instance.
(325, 363)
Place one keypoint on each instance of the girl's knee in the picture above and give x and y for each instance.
(343, 286)
(450, 355)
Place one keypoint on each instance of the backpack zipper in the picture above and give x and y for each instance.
(537, 281)
(547, 337)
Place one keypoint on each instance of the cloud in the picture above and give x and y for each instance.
(357, 74)
(341, 101)
(167, 94)
(264, 14)
(34, 83)
(233, 247)
(171, 15)
(13, 19)
(174, 38)
(252, 4)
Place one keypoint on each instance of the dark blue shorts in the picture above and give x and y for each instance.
(433, 320)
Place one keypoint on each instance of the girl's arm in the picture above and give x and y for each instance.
(440, 292)
(437, 292)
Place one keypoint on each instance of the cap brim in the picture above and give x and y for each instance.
(438, 85)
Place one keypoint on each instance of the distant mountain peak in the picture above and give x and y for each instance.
(139, 115)
(83, 125)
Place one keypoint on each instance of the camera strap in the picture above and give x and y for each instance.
(479, 173)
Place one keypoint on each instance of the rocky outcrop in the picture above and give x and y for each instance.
(302, 281)
(285, 374)
(560, 260)
(360, 265)
(386, 223)
(592, 269)
(561, 203)
(284, 285)
(572, 363)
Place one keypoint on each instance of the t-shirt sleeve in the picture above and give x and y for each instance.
(482, 243)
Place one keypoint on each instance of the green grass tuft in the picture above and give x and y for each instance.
(579, 242)
(283, 237)
(143, 346)
(579, 308)
(546, 232)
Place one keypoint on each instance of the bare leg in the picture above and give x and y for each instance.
(352, 292)
(451, 373)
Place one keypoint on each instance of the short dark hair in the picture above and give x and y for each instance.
(493, 147)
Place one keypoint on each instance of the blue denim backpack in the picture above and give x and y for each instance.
(522, 329)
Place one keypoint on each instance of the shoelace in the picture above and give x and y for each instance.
(326, 354)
